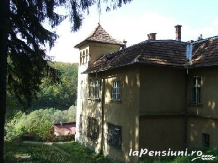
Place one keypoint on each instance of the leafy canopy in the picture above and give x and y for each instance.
(27, 60)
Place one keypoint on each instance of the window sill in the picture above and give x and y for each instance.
(94, 99)
(116, 101)
(200, 105)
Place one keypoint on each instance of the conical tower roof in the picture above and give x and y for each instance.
(101, 36)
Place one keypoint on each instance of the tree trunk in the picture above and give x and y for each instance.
(4, 8)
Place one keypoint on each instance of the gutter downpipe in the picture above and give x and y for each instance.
(189, 59)
(186, 108)
(102, 114)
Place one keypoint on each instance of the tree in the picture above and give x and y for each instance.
(59, 96)
(22, 37)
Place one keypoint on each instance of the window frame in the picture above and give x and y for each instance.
(205, 140)
(92, 128)
(114, 135)
(97, 88)
(91, 88)
(116, 91)
(196, 90)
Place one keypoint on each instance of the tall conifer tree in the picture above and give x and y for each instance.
(22, 36)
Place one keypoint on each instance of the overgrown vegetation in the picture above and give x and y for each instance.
(186, 159)
(73, 152)
(38, 152)
(60, 96)
(37, 123)
(49, 153)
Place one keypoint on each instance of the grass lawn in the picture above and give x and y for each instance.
(73, 152)
(67, 152)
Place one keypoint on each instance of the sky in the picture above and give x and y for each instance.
(133, 21)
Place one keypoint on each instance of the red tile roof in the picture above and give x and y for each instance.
(157, 52)
(205, 53)
(100, 35)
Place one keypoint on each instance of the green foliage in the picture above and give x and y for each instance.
(38, 123)
(81, 154)
(23, 38)
(67, 152)
(45, 154)
(38, 152)
(184, 159)
(26, 62)
(62, 95)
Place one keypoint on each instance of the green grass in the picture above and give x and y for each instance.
(81, 154)
(73, 152)
(43, 153)
(38, 152)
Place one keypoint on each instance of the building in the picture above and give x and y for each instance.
(64, 129)
(157, 94)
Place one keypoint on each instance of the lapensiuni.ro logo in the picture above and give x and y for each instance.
(196, 154)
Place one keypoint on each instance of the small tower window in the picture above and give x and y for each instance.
(83, 57)
(87, 55)
(80, 58)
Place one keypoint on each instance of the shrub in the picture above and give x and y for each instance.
(36, 125)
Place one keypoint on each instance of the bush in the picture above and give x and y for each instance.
(36, 125)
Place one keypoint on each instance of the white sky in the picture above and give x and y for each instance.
(135, 20)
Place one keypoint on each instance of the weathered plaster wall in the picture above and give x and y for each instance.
(162, 108)
(204, 116)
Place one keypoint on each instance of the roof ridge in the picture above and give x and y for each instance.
(164, 40)
(102, 36)
(93, 32)
(206, 39)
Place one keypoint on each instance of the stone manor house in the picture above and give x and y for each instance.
(156, 94)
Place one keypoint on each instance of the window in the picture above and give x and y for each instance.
(205, 140)
(87, 55)
(83, 57)
(92, 129)
(196, 90)
(91, 88)
(97, 89)
(114, 137)
(116, 90)
(80, 58)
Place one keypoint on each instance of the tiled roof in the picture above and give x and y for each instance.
(157, 52)
(100, 35)
(205, 53)
(161, 52)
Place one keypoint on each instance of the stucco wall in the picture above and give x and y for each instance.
(85, 107)
(199, 125)
(162, 108)
(209, 89)
(124, 113)
(97, 49)
(162, 90)
(162, 132)
(203, 117)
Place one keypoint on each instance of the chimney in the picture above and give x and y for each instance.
(152, 36)
(124, 46)
(178, 32)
